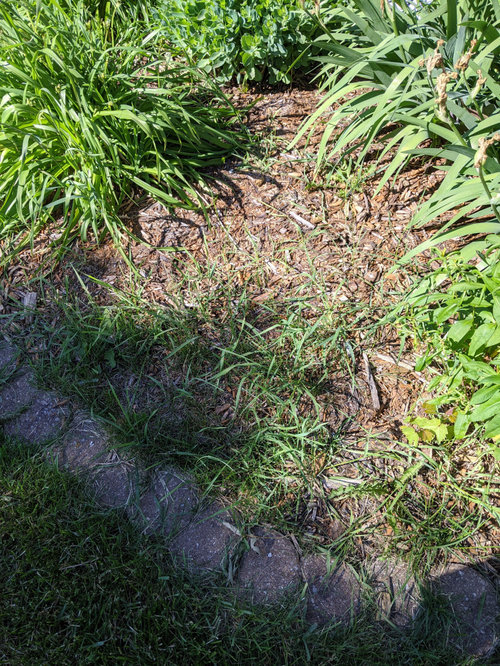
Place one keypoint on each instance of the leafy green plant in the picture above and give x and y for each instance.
(456, 312)
(471, 187)
(382, 79)
(89, 116)
(249, 39)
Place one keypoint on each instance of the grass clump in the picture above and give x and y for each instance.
(93, 112)
(245, 385)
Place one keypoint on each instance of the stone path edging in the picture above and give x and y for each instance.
(202, 534)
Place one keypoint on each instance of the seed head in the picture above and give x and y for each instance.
(481, 80)
(484, 144)
(463, 62)
(442, 96)
(435, 60)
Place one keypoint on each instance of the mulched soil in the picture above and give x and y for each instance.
(269, 227)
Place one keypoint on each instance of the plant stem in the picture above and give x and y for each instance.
(455, 131)
(488, 193)
(476, 105)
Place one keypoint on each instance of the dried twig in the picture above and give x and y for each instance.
(371, 384)
(298, 218)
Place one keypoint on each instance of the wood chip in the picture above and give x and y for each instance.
(371, 383)
(301, 220)
(29, 302)
(401, 364)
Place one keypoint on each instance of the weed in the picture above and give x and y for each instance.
(454, 312)
(344, 176)
(244, 39)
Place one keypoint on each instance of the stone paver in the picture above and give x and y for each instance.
(474, 606)
(43, 420)
(332, 596)
(84, 445)
(208, 540)
(396, 592)
(168, 504)
(8, 355)
(113, 484)
(17, 394)
(270, 567)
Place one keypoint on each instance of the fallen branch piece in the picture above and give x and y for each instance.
(301, 220)
(371, 384)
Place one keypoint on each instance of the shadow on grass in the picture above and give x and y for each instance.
(258, 401)
(261, 388)
(81, 587)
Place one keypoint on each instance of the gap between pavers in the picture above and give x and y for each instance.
(205, 535)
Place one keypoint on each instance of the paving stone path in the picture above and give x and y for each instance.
(203, 534)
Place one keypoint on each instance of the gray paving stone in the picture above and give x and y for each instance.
(43, 420)
(269, 568)
(396, 592)
(332, 596)
(209, 539)
(145, 511)
(17, 394)
(113, 484)
(84, 445)
(474, 605)
(8, 356)
(86, 448)
(168, 504)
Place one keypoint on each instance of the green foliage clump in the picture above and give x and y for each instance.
(456, 312)
(399, 78)
(247, 39)
(93, 110)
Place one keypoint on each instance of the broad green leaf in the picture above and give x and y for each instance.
(486, 410)
(410, 434)
(493, 427)
(480, 337)
(485, 394)
(461, 425)
(459, 329)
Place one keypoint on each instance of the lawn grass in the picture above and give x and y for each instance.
(79, 586)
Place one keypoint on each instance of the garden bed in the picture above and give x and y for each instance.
(284, 269)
